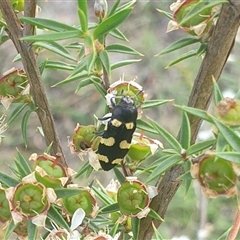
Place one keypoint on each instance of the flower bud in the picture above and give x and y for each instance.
(100, 8)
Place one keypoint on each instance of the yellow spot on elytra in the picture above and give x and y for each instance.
(102, 158)
(116, 123)
(117, 160)
(129, 125)
(108, 141)
(124, 144)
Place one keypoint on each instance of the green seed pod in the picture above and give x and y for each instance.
(215, 175)
(187, 6)
(200, 24)
(83, 138)
(30, 199)
(228, 111)
(141, 147)
(124, 88)
(139, 150)
(18, 5)
(49, 171)
(132, 197)
(13, 83)
(5, 213)
(84, 199)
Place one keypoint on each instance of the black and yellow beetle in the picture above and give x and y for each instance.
(117, 136)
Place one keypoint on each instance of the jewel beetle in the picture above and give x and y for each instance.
(117, 136)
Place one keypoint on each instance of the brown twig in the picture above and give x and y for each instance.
(217, 53)
(105, 79)
(29, 11)
(16, 32)
(235, 228)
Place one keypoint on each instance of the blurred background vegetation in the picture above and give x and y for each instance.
(146, 31)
